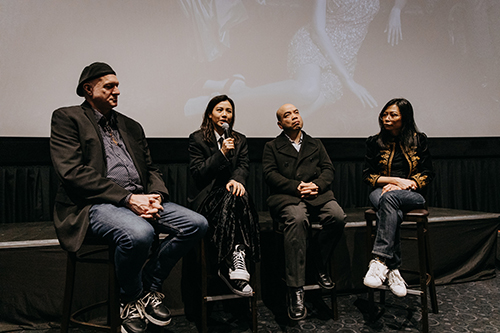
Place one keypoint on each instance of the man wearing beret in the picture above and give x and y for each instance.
(299, 173)
(110, 189)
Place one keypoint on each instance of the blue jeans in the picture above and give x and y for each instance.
(390, 209)
(133, 237)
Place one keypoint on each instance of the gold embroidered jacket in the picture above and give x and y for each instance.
(378, 161)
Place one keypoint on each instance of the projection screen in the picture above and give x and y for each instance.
(338, 61)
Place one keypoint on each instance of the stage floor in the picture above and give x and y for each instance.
(466, 307)
(32, 265)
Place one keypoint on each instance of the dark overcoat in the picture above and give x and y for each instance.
(79, 159)
(284, 168)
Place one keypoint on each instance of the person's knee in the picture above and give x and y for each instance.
(196, 226)
(200, 225)
(389, 199)
(142, 236)
(298, 220)
(336, 223)
(334, 217)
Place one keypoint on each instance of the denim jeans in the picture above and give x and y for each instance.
(390, 209)
(133, 237)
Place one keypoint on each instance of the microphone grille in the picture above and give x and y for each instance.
(225, 126)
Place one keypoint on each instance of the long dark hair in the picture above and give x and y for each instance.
(207, 125)
(407, 135)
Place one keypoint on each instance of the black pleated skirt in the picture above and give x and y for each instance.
(233, 220)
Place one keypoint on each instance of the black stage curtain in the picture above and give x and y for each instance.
(27, 192)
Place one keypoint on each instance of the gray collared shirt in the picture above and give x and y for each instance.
(296, 145)
(120, 167)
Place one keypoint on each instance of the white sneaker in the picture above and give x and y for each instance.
(396, 283)
(376, 275)
(239, 269)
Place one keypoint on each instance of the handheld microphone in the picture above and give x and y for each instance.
(227, 133)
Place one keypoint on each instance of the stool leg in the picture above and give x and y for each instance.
(254, 312)
(68, 291)
(333, 292)
(204, 292)
(113, 294)
(382, 296)
(430, 270)
(369, 246)
(422, 256)
(335, 306)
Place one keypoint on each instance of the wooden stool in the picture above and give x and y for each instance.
(280, 250)
(426, 272)
(113, 301)
(212, 298)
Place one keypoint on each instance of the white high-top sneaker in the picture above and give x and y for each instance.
(239, 269)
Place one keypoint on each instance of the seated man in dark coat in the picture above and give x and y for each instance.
(299, 173)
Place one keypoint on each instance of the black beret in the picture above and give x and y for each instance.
(93, 71)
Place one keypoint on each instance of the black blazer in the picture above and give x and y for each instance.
(78, 156)
(284, 168)
(209, 166)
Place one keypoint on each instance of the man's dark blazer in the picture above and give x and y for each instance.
(79, 159)
(284, 168)
(207, 164)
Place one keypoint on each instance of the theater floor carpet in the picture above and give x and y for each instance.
(467, 307)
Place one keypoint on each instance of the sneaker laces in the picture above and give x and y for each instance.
(395, 278)
(377, 268)
(239, 260)
(153, 297)
(300, 300)
(133, 310)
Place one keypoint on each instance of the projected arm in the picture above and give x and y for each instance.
(394, 32)
(320, 37)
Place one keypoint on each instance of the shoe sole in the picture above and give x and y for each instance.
(157, 322)
(237, 292)
(397, 294)
(288, 312)
(123, 330)
(372, 285)
(298, 318)
(325, 287)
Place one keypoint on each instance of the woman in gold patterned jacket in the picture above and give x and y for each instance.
(399, 167)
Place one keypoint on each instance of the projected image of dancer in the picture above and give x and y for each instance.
(398, 166)
(321, 60)
(219, 165)
(212, 22)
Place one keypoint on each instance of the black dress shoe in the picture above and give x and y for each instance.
(154, 309)
(296, 308)
(325, 281)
